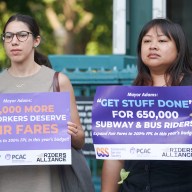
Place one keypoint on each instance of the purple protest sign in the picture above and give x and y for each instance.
(139, 115)
(35, 124)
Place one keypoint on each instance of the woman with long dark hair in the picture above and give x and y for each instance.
(163, 60)
(31, 72)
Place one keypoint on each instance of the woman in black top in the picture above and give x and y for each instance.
(163, 60)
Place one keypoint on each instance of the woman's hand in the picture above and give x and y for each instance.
(74, 126)
(77, 135)
(73, 129)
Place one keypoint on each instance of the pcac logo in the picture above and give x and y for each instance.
(102, 151)
(140, 150)
(19, 156)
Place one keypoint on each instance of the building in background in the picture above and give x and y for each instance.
(129, 16)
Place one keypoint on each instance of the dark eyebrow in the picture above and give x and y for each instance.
(17, 32)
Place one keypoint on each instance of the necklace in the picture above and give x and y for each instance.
(19, 84)
(18, 81)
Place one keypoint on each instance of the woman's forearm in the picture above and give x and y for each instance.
(111, 175)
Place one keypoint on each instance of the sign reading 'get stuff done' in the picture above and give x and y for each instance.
(138, 122)
(33, 129)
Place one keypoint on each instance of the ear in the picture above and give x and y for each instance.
(37, 41)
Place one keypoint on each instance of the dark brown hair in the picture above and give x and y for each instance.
(34, 28)
(181, 65)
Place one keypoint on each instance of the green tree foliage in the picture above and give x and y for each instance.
(67, 26)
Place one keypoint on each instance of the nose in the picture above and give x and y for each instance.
(14, 40)
(154, 45)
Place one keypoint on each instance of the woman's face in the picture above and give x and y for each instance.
(158, 52)
(19, 51)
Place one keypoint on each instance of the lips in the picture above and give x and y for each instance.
(153, 55)
(15, 51)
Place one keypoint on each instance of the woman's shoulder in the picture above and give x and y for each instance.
(3, 73)
(187, 79)
(64, 82)
(46, 69)
(46, 73)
